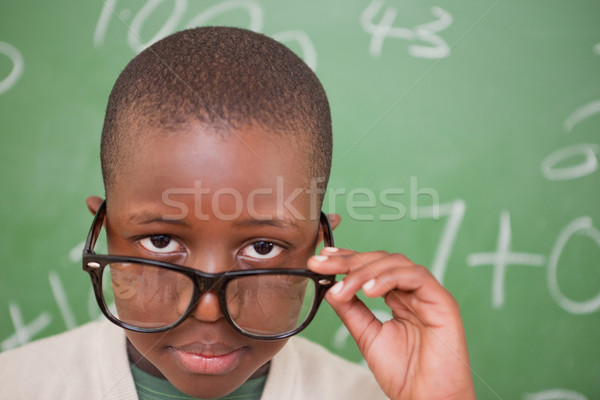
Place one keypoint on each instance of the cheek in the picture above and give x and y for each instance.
(149, 345)
(265, 350)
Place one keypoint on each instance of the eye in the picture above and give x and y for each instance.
(262, 250)
(160, 244)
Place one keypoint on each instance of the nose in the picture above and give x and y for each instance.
(208, 308)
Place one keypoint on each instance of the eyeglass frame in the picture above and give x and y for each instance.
(94, 265)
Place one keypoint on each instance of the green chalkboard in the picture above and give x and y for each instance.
(489, 109)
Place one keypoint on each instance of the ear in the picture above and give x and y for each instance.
(93, 203)
(334, 221)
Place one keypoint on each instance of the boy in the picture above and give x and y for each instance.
(216, 151)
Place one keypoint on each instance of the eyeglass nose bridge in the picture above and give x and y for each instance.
(204, 283)
(208, 283)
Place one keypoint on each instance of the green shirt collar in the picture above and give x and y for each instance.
(149, 387)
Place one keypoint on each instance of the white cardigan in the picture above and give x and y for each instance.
(90, 362)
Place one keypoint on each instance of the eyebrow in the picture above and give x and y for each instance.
(146, 218)
(278, 223)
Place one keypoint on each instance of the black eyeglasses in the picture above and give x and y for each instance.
(145, 295)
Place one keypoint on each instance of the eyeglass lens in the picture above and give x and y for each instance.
(147, 296)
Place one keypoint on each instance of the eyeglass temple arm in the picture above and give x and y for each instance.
(327, 234)
(90, 242)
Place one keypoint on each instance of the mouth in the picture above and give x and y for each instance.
(208, 359)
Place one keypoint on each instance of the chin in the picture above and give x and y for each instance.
(207, 386)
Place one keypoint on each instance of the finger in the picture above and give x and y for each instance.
(342, 261)
(410, 278)
(366, 274)
(413, 289)
(358, 319)
(395, 275)
(336, 251)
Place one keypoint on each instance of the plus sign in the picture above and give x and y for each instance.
(502, 258)
(24, 332)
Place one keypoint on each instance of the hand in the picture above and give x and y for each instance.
(419, 354)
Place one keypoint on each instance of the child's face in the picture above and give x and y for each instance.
(219, 193)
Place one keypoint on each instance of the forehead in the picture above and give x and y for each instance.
(236, 165)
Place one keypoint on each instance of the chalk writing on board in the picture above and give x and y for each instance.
(102, 25)
(584, 228)
(502, 258)
(589, 152)
(555, 394)
(24, 332)
(455, 212)
(125, 14)
(581, 114)
(172, 23)
(254, 11)
(586, 167)
(133, 33)
(18, 66)
(75, 253)
(309, 53)
(436, 46)
(60, 297)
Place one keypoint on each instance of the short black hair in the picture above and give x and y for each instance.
(226, 78)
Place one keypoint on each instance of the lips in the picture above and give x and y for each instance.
(208, 359)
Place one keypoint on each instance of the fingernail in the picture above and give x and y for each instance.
(320, 258)
(335, 289)
(331, 249)
(369, 285)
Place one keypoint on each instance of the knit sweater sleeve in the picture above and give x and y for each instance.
(89, 362)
